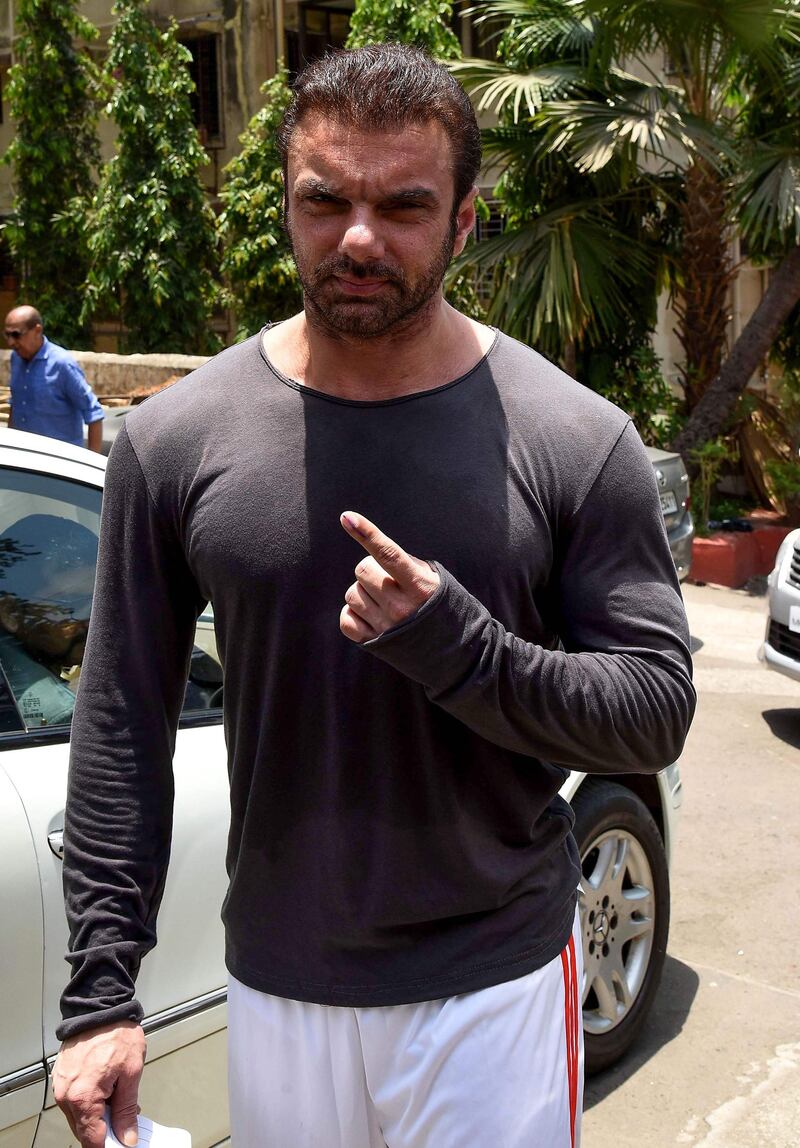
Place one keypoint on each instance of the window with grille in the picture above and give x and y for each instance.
(3, 81)
(484, 35)
(675, 65)
(488, 229)
(313, 29)
(206, 99)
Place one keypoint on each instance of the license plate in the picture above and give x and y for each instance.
(669, 503)
(794, 619)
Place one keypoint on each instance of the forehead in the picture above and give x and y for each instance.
(19, 316)
(344, 156)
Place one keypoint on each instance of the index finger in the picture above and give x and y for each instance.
(389, 556)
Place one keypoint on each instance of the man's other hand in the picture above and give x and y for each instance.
(96, 1068)
(390, 584)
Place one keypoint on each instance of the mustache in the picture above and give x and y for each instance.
(342, 265)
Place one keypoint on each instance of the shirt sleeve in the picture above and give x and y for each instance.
(80, 394)
(618, 695)
(120, 792)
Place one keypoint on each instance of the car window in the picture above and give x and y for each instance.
(10, 717)
(48, 553)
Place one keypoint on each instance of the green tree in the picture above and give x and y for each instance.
(53, 96)
(151, 229)
(688, 136)
(424, 23)
(261, 279)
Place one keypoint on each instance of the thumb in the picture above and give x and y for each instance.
(124, 1113)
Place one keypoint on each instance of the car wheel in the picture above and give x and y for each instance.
(624, 912)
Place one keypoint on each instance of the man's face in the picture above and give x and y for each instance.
(21, 337)
(371, 222)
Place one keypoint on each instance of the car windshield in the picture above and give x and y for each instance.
(49, 529)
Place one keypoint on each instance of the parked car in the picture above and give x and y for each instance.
(781, 649)
(113, 420)
(50, 496)
(673, 490)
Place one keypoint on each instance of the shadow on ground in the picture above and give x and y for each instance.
(695, 644)
(677, 991)
(785, 724)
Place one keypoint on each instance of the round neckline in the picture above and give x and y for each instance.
(313, 392)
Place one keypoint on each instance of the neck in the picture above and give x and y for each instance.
(432, 348)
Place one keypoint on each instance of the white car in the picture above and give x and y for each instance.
(50, 496)
(781, 649)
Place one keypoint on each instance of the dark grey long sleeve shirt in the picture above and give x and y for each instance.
(396, 829)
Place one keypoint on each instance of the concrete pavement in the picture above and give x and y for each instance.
(719, 1063)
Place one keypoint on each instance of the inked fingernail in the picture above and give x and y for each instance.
(351, 522)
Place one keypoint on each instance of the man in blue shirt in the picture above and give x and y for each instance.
(49, 392)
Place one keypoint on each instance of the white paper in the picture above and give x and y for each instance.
(152, 1135)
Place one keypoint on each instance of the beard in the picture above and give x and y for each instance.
(391, 310)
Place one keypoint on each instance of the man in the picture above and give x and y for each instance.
(401, 918)
(49, 392)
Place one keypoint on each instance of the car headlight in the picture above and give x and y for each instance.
(783, 550)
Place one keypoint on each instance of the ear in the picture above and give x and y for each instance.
(285, 199)
(465, 220)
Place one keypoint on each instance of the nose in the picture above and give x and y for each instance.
(361, 240)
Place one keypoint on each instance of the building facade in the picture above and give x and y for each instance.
(236, 45)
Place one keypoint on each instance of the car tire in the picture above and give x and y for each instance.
(624, 911)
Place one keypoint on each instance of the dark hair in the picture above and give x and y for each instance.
(386, 87)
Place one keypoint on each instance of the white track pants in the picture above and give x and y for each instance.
(497, 1068)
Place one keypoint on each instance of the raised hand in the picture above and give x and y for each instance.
(390, 584)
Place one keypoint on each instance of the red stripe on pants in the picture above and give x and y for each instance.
(571, 1021)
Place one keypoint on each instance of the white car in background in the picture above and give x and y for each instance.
(50, 496)
(781, 649)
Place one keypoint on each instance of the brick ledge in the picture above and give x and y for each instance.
(729, 558)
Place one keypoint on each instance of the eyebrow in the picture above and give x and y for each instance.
(422, 195)
(414, 195)
(312, 186)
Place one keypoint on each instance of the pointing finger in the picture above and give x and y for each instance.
(391, 557)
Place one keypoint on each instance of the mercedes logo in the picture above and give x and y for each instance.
(600, 927)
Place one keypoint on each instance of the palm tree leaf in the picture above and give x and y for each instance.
(649, 124)
(499, 89)
(638, 27)
(570, 271)
(712, 40)
(769, 197)
(544, 29)
(510, 145)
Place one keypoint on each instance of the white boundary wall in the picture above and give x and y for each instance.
(121, 375)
